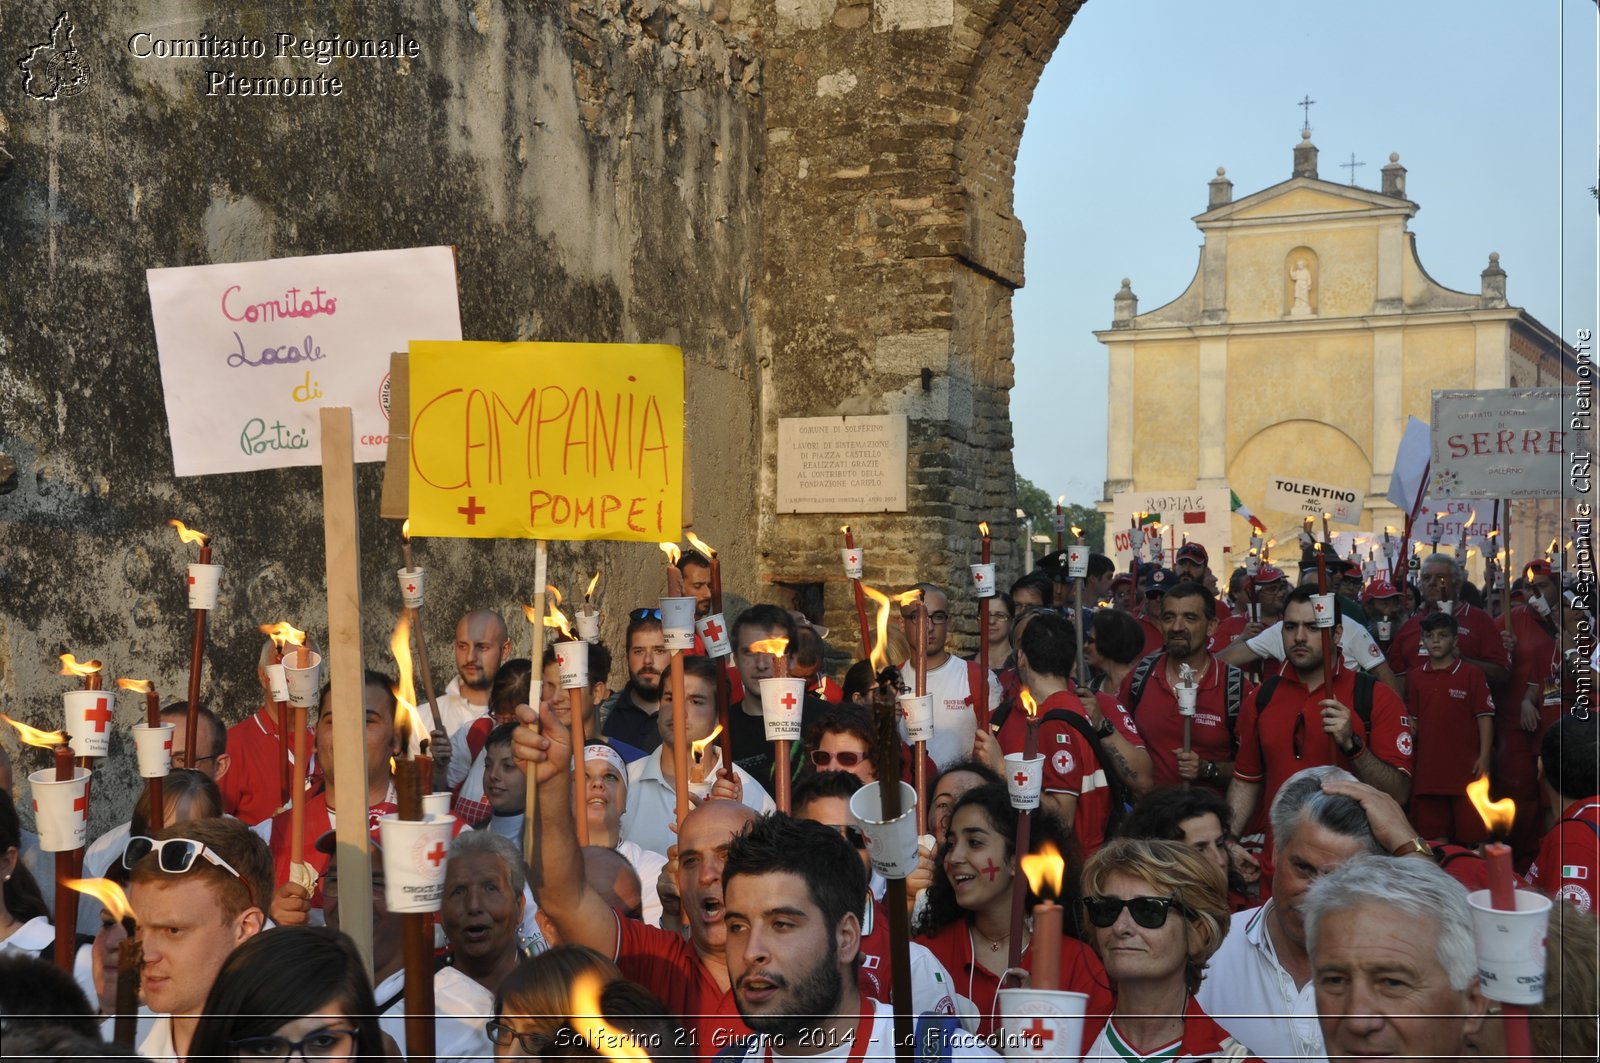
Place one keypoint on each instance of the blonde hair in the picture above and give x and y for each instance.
(1171, 869)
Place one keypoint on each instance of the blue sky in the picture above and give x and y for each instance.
(1491, 106)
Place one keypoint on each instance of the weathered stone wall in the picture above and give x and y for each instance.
(594, 164)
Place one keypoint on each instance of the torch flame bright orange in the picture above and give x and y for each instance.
(776, 647)
(405, 690)
(589, 1021)
(107, 893)
(405, 529)
(1029, 706)
(879, 654)
(189, 535)
(1045, 869)
(701, 545)
(1077, 532)
(588, 592)
(558, 620)
(34, 737)
(983, 528)
(674, 555)
(70, 665)
(141, 686)
(844, 529)
(698, 746)
(283, 633)
(1497, 815)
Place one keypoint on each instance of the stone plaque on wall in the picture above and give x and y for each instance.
(842, 464)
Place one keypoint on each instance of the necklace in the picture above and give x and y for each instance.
(994, 943)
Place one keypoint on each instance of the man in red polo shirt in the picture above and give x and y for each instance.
(1450, 707)
(254, 789)
(1188, 619)
(1568, 867)
(1477, 638)
(1532, 702)
(1293, 723)
(1193, 565)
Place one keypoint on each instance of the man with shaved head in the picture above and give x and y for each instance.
(482, 644)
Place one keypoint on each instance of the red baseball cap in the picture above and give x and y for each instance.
(1193, 552)
(1538, 568)
(1379, 588)
(1268, 573)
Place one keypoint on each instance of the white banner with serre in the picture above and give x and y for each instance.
(1506, 443)
(251, 351)
(1309, 499)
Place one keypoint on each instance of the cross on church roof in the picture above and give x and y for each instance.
(1351, 166)
(1305, 104)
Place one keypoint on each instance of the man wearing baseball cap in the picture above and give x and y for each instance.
(1270, 587)
(1385, 610)
(1154, 581)
(1193, 564)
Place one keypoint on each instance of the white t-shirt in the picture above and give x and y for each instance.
(1358, 648)
(460, 1005)
(880, 1048)
(1249, 994)
(955, 724)
(157, 1043)
(648, 863)
(652, 801)
(457, 714)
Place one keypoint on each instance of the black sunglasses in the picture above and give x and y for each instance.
(848, 759)
(633, 618)
(1148, 912)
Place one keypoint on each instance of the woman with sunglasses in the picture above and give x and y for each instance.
(1157, 911)
(966, 923)
(842, 739)
(533, 1007)
(295, 991)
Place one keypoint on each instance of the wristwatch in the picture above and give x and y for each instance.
(1356, 746)
(1106, 728)
(1415, 847)
(1209, 769)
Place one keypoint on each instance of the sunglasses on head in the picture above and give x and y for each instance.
(177, 855)
(1148, 912)
(644, 614)
(822, 758)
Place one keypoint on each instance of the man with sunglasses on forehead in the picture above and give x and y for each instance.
(951, 679)
(200, 890)
(631, 715)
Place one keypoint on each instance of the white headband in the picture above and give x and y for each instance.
(599, 751)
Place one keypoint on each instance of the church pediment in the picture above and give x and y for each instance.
(1303, 196)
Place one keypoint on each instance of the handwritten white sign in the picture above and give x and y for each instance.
(1309, 499)
(250, 351)
(1189, 515)
(1507, 443)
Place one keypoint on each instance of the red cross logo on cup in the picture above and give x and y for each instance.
(435, 855)
(167, 745)
(977, 577)
(787, 701)
(1318, 607)
(714, 630)
(1039, 1033)
(191, 581)
(411, 588)
(81, 804)
(1020, 778)
(100, 715)
(854, 559)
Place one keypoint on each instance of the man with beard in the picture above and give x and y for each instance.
(1193, 565)
(696, 569)
(689, 975)
(1188, 617)
(631, 715)
(794, 892)
(482, 643)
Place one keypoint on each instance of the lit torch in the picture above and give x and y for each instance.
(211, 575)
(68, 861)
(152, 711)
(130, 954)
(1498, 817)
(578, 691)
(1045, 870)
(697, 752)
(1019, 892)
(589, 1022)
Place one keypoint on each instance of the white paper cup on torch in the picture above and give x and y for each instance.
(1511, 946)
(891, 844)
(572, 664)
(1077, 562)
(1322, 609)
(854, 563)
(305, 684)
(153, 748)
(983, 580)
(588, 621)
(277, 682)
(1188, 695)
(1385, 629)
(205, 581)
(89, 719)
(415, 853)
(1024, 780)
(1042, 1024)
(61, 809)
(1447, 608)
(412, 581)
(918, 715)
(713, 631)
(1252, 565)
(677, 623)
(781, 701)
(436, 804)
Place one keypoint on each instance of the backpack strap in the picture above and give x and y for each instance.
(1233, 695)
(1264, 692)
(1365, 683)
(1114, 782)
(1141, 676)
(935, 1036)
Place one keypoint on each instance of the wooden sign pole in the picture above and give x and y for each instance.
(345, 672)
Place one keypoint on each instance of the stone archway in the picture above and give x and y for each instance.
(890, 253)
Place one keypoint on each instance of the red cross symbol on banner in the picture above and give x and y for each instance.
(471, 509)
(1020, 778)
(787, 701)
(81, 804)
(100, 715)
(991, 869)
(435, 855)
(1039, 1033)
(713, 630)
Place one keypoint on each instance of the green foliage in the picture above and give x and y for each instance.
(1033, 501)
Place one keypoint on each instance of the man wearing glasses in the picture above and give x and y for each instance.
(211, 736)
(199, 889)
(951, 679)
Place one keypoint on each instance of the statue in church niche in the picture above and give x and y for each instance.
(1301, 276)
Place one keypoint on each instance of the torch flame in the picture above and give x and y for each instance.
(1077, 532)
(70, 665)
(189, 535)
(107, 893)
(405, 690)
(1497, 815)
(1029, 706)
(140, 686)
(589, 1022)
(913, 595)
(405, 529)
(879, 653)
(1441, 515)
(34, 737)
(776, 647)
(674, 555)
(557, 619)
(983, 528)
(588, 592)
(1045, 869)
(701, 545)
(698, 746)
(283, 634)
(844, 529)
(1062, 498)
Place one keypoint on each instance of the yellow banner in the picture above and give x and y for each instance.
(546, 440)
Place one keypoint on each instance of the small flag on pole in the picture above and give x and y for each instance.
(1238, 507)
(1149, 518)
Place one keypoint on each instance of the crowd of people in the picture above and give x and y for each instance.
(1280, 874)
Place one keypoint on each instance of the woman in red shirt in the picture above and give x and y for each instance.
(967, 920)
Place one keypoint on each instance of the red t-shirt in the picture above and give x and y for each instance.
(1533, 661)
(1154, 640)
(666, 964)
(1477, 637)
(1444, 705)
(1267, 740)
(1227, 631)
(252, 787)
(1070, 763)
(1081, 972)
(1568, 865)
(1159, 721)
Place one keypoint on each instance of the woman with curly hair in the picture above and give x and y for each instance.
(1157, 912)
(967, 920)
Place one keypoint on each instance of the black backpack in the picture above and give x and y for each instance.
(1363, 700)
(1121, 800)
(1233, 696)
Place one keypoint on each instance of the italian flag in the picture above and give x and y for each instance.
(1238, 507)
(1149, 518)
(1574, 871)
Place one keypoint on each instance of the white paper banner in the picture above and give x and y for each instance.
(251, 351)
(1510, 443)
(1305, 498)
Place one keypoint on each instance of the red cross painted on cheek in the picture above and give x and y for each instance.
(991, 869)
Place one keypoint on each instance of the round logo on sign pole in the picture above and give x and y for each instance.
(383, 396)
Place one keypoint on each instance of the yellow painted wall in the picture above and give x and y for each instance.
(1166, 380)
(1301, 450)
(1317, 376)
(1437, 357)
(1259, 263)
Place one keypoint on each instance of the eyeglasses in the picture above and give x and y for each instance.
(941, 617)
(1148, 912)
(181, 760)
(533, 1042)
(852, 834)
(822, 758)
(633, 618)
(175, 856)
(322, 1044)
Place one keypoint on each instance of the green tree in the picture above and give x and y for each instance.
(1034, 502)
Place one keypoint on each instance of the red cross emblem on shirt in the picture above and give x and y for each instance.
(1039, 1033)
(435, 855)
(99, 715)
(713, 631)
(787, 701)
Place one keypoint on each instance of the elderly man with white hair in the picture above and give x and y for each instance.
(1394, 962)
